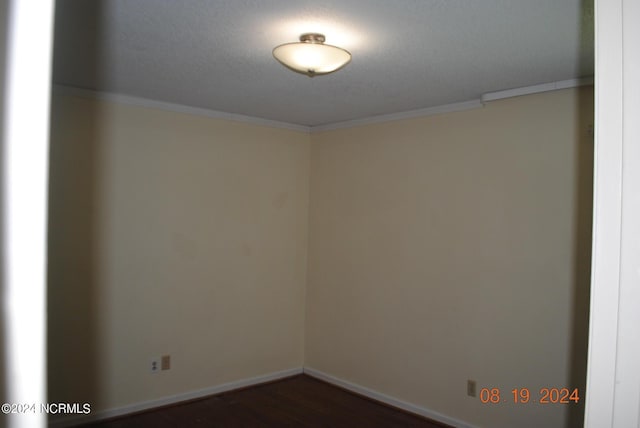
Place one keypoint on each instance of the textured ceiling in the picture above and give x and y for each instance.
(407, 54)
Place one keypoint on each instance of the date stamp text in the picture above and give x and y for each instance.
(525, 396)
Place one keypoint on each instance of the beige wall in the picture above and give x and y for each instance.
(455, 247)
(441, 249)
(171, 234)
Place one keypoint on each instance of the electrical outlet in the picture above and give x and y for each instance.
(155, 365)
(166, 362)
(471, 388)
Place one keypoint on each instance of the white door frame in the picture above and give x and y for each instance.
(26, 83)
(613, 374)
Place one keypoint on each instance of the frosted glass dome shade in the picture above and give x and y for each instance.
(311, 56)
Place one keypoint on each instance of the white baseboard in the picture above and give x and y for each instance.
(422, 411)
(173, 399)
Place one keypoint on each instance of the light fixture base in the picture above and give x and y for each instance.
(312, 38)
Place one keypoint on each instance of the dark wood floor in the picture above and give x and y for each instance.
(299, 401)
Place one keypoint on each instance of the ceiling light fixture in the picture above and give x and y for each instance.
(311, 56)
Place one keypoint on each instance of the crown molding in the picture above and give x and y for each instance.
(411, 114)
(535, 89)
(177, 108)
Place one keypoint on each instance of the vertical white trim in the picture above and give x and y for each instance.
(613, 376)
(626, 410)
(606, 216)
(25, 169)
